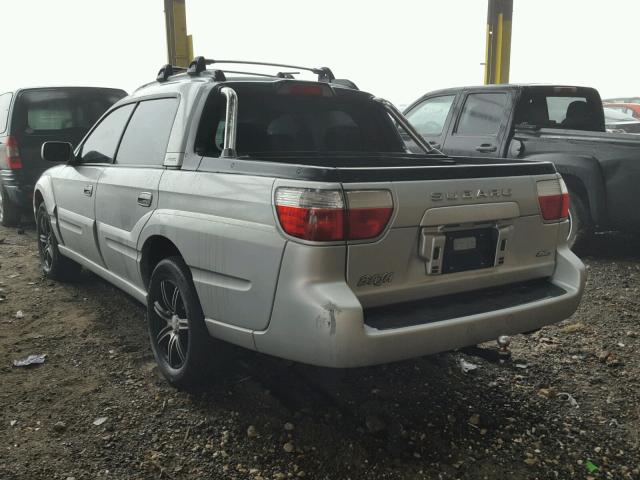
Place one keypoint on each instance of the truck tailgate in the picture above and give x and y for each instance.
(453, 235)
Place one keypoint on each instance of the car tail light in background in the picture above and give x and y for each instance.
(553, 198)
(323, 215)
(13, 153)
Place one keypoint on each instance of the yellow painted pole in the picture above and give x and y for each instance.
(498, 71)
(498, 49)
(179, 44)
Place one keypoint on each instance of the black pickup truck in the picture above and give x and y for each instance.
(561, 124)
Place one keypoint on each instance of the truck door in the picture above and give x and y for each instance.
(128, 191)
(481, 126)
(75, 185)
(431, 118)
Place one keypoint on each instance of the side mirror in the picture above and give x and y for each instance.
(57, 152)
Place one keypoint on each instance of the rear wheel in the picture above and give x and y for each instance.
(53, 264)
(580, 229)
(179, 338)
(9, 213)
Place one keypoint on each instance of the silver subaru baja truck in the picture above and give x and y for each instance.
(288, 217)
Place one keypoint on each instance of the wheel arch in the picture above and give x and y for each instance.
(43, 192)
(155, 248)
(576, 187)
(38, 198)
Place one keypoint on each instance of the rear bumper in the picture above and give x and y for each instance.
(21, 197)
(19, 194)
(324, 324)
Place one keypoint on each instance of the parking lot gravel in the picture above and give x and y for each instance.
(565, 404)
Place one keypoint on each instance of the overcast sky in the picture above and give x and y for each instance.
(396, 49)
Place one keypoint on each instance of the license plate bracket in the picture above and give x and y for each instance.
(469, 250)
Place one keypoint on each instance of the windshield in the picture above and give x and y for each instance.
(271, 120)
(61, 110)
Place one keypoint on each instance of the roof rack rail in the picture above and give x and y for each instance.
(199, 64)
(167, 70)
(287, 74)
(345, 82)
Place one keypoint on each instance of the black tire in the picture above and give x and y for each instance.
(9, 213)
(179, 338)
(580, 229)
(53, 264)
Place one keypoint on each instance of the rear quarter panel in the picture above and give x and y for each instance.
(225, 229)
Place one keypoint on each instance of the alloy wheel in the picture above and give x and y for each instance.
(45, 241)
(170, 326)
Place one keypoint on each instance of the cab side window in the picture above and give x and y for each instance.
(145, 140)
(101, 145)
(482, 114)
(430, 116)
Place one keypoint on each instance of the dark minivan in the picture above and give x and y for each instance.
(28, 118)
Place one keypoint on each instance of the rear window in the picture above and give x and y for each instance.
(570, 111)
(48, 111)
(272, 122)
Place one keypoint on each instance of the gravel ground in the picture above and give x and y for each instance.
(565, 405)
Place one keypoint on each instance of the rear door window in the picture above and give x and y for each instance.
(483, 114)
(430, 116)
(100, 146)
(5, 103)
(145, 140)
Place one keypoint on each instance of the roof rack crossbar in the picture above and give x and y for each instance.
(324, 73)
(199, 65)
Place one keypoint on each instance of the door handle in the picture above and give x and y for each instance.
(88, 190)
(144, 199)
(486, 148)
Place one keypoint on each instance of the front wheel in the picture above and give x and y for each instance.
(52, 263)
(179, 338)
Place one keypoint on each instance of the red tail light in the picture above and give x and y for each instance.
(13, 154)
(321, 215)
(368, 213)
(553, 198)
(316, 215)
